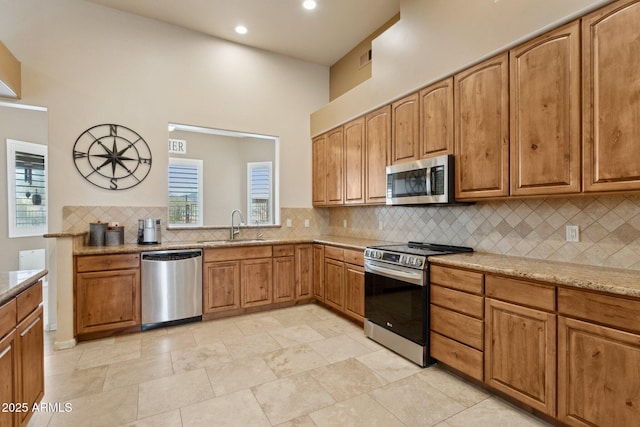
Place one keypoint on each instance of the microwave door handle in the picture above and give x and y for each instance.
(429, 183)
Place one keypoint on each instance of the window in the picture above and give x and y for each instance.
(27, 188)
(185, 191)
(259, 192)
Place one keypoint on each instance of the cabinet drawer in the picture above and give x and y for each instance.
(28, 300)
(334, 253)
(457, 326)
(521, 292)
(283, 250)
(7, 317)
(237, 253)
(107, 262)
(459, 356)
(463, 280)
(472, 305)
(607, 309)
(354, 257)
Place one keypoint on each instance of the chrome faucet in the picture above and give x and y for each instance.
(235, 232)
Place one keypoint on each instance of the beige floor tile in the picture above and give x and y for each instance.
(61, 362)
(235, 409)
(251, 345)
(166, 419)
(295, 335)
(199, 357)
(389, 365)
(293, 360)
(166, 343)
(291, 397)
(494, 412)
(111, 408)
(335, 326)
(67, 386)
(346, 379)
(295, 316)
(138, 371)
(360, 411)
(415, 402)
(173, 392)
(341, 347)
(255, 324)
(215, 331)
(239, 375)
(360, 337)
(303, 421)
(108, 354)
(453, 386)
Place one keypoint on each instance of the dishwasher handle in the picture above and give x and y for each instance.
(170, 256)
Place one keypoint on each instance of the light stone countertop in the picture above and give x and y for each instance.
(14, 282)
(604, 279)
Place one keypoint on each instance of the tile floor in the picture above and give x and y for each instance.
(298, 366)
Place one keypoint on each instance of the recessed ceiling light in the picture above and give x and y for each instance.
(241, 29)
(309, 4)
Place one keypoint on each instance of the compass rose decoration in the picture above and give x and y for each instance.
(112, 156)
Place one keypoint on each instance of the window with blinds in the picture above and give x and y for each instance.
(185, 191)
(27, 188)
(260, 192)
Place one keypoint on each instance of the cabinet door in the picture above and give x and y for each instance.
(599, 373)
(284, 283)
(8, 373)
(221, 286)
(378, 145)
(30, 345)
(107, 300)
(318, 272)
(436, 119)
(481, 115)
(334, 283)
(304, 271)
(520, 354)
(256, 281)
(545, 113)
(335, 165)
(611, 97)
(406, 130)
(319, 170)
(354, 283)
(354, 161)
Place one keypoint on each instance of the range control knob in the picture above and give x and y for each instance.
(418, 262)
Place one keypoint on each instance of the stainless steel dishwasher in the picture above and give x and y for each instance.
(171, 287)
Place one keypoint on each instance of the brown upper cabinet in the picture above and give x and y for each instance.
(319, 170)
(378, 137)
(545, 113)
(481, 116)
(405, 129)
(611, 97)
(436, 119)
(334, 162)
(354, 161)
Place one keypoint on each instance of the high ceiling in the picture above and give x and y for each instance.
(322, 36)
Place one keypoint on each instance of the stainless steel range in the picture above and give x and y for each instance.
(397, 296)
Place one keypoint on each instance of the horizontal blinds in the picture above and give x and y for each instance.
(31, 187)
(183, 194)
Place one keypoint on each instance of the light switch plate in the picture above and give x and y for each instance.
(289, 223)
(573, 233)
(306, 223)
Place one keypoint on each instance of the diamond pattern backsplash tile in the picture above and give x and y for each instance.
(609, 226)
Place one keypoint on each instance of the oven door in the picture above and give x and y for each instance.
(397, 299)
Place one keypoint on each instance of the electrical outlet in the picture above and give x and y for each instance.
(306, 223)
(380, 225)
(289, 223)
(573, 233)
(344, 223)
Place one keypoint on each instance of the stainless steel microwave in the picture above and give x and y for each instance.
(426, 181)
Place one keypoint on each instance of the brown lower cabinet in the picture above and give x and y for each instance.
(21, 355)
(570, 354)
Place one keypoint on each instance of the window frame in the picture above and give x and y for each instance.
(258, 165)
(14, 146)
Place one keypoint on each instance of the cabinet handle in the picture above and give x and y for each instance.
(6, 350)
(26, 331)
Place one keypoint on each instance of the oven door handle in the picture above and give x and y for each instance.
(415, 278)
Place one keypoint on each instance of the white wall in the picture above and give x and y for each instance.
(435, 38)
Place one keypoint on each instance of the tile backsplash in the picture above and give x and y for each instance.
(534, 228)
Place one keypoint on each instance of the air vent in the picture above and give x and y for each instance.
(365, 58)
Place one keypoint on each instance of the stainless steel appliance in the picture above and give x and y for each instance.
(149, 231)
(426, 181)
(397, 296)
(171, 287)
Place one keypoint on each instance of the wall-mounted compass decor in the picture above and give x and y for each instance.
(112, 156)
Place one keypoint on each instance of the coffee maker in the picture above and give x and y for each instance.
(149, 231)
